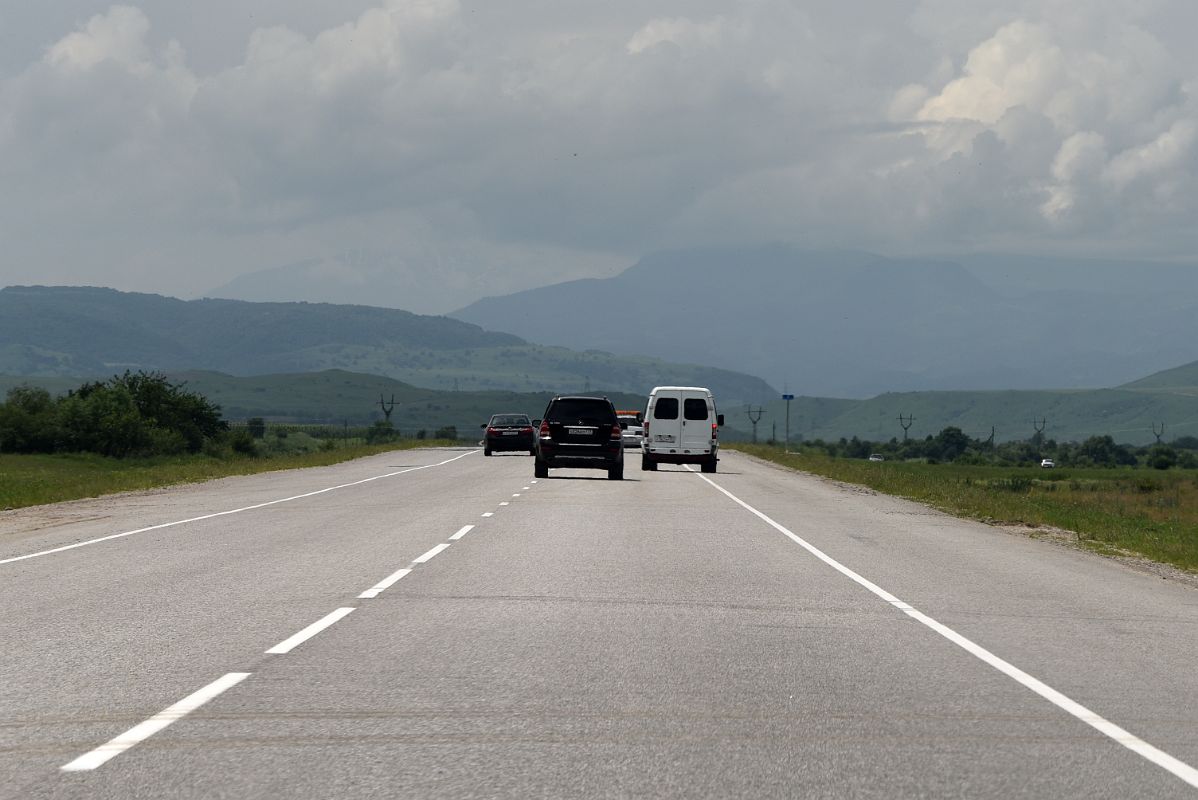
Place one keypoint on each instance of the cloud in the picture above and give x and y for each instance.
(583, 135)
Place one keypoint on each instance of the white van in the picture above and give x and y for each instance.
(681, 427)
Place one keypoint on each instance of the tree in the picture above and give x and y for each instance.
(28, 421)
(1101, 450)
(1162, 456)
(950, 443)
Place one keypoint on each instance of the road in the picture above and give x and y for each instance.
(433, 623)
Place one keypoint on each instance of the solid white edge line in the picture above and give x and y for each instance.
(142, 731)
(430, 554)
(1175, 766)
(384, 584)
(294, 641)
(465, 529)
(226, 513)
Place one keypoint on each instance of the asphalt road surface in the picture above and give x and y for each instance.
(429, 624)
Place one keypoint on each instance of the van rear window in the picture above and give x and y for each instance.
(666, 408)
(694, 408)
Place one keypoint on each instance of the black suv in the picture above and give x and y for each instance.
(580, 432)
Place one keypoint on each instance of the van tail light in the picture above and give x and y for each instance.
(544, 429)
(617, 432)
(645, 429)
(715, 431)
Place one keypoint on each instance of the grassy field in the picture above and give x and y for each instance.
(27, 480)
(1144, 512)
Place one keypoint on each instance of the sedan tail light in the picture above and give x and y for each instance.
(526, 430)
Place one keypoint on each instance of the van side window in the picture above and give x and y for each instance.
(666, 408)
(694, 408)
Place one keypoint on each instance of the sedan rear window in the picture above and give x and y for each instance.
(509, 419)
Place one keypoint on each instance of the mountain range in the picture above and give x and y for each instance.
(94, 332)
(854, 324)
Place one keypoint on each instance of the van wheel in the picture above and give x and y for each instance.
(616, 473)
(708, 465)
(647, 465)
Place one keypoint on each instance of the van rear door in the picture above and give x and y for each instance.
(665, 423)
(696, 422)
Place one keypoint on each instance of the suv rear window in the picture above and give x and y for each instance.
(581, 410)
(694, 408)
(666, 408)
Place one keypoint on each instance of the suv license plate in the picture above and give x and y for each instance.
(579, 431)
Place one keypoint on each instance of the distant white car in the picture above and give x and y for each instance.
(632, 432)
(877, 457)
(1047, 463)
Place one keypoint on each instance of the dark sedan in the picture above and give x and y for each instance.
(509, 432)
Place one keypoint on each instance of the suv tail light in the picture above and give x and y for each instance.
(617, 432)
(544, 429)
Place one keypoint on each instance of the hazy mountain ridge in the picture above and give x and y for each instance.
(87, 331)
(854, 324)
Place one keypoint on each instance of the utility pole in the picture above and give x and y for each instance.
(787, 397)
(906, 423)
(1039, 425)
(387, 407)
(1158, 435)
(754, 417)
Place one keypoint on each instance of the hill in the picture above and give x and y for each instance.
(337, 396)
(852, 324)
(85, 331)
(1182, 379)
(1127, 415)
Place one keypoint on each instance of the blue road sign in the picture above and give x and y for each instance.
(788, 397)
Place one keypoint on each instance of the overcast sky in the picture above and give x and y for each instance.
(170, 147)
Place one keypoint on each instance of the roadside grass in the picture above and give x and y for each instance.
(28, 480)
(1144, 512)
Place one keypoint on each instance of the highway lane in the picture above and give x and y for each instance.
(590, 638)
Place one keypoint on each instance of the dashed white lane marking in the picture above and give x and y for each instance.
(517, 494)
(384, 584)
(464, 530)
(1137, 745)
(505, 503)
(532, 481)
(524, 489)
(141, 732)
(292, 642)
(231, 511)
(489, 514)
(431, 554)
